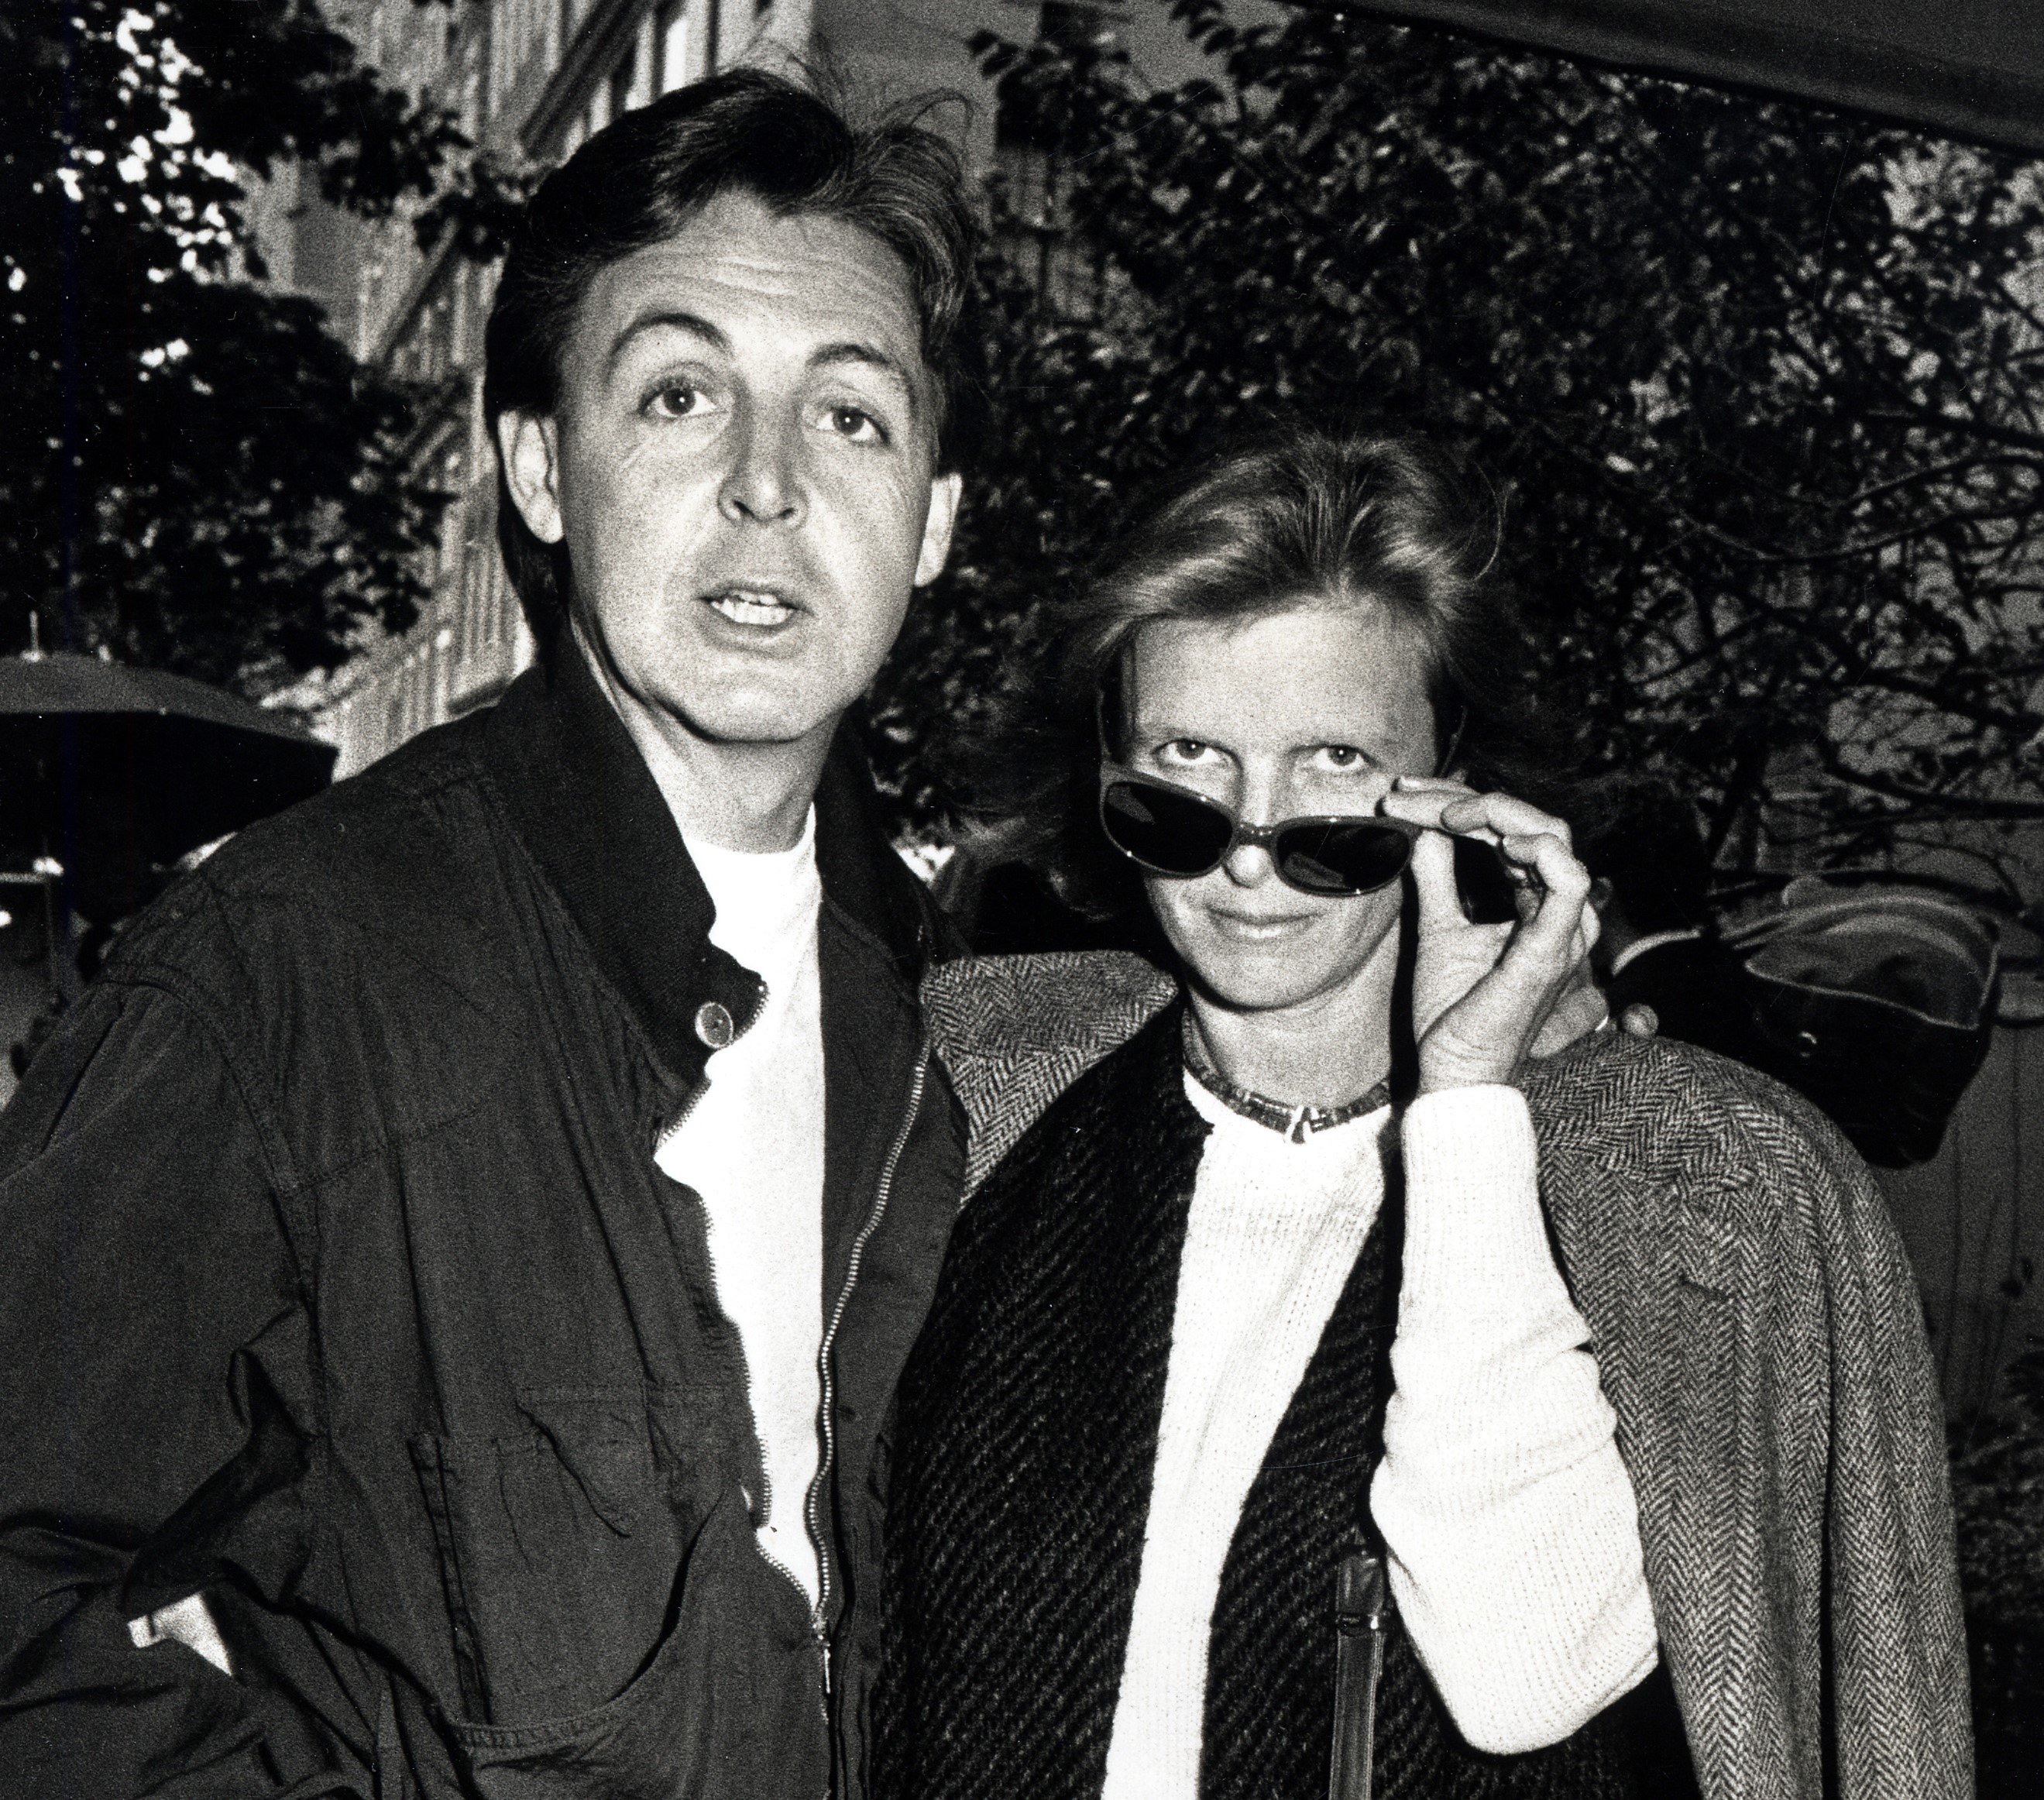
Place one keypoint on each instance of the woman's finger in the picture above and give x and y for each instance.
(1431, 783)
(1444, 805)
(1549, 931)
(1504, 814)
(1578, 1010)
(1433, 876)
(1543, 860)
(1421, 799)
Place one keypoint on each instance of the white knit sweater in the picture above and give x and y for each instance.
(1514, 1541)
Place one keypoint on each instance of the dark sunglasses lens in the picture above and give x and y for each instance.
(1173, 833)
(1342, 856)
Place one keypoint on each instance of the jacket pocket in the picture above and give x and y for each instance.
(558, 1551)
(728, 1707)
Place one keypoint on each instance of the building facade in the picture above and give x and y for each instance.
(530, 80)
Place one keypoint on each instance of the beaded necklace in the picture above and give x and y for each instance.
(1294, 1122)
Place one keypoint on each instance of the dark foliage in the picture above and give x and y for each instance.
(1760, 385)
(197, 474)
(1998, 1491)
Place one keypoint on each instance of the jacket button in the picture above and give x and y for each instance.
(713, 1024)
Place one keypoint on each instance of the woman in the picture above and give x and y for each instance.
(1221, 1327)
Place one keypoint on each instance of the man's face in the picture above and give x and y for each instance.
(742, 467)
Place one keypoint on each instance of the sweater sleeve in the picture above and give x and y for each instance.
(1510, 1520)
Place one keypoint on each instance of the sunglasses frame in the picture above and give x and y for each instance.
(1259, 837)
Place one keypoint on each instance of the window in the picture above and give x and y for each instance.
(1033, 230)
(621, 79)
(671, 46)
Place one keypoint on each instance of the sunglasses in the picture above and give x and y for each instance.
(1171, 831)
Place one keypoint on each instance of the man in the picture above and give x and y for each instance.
(482, 1211)
(1663, 968)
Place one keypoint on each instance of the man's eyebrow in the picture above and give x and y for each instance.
(871, 358)
(670, 321)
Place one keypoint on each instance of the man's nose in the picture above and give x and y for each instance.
(762, 486)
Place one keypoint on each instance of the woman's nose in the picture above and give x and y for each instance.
(1248, 865)
(1259, 801)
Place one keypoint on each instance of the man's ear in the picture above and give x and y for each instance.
(530, 447)
(945, 492)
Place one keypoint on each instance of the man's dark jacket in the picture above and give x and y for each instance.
(1699, 990)
(339, 1286)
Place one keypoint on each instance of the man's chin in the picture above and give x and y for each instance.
(713, 708)
(764, 728)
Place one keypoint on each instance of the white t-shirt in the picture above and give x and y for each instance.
(752, 1146)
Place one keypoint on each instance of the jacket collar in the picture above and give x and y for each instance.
(588, 810)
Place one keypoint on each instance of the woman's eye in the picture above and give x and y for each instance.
(1183, 750)
(675, 399)
(855, 423)
(1343, 756)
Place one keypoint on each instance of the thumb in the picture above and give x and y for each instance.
(1433, 876)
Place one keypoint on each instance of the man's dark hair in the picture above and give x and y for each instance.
(644, 179)
(1643, 838)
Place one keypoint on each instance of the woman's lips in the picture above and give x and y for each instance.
(1258, 928)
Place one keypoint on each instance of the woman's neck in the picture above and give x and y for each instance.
(1322, 1051)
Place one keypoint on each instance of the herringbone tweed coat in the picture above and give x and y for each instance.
(1759, 1336)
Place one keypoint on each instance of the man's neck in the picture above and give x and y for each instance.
(743, 796)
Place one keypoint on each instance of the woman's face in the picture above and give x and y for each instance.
(1313, 710)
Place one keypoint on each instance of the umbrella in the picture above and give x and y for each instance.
(117, 772)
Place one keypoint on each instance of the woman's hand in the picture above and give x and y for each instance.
(1481, 993)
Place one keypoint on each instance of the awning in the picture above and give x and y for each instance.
(1970, 68)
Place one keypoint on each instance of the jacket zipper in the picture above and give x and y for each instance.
(1361, 1597)
(813, 1509)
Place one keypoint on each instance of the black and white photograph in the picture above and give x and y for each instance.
(1021, 899)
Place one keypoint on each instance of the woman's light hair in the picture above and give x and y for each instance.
(1298, 516)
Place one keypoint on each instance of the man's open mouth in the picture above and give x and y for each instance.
(751, 606)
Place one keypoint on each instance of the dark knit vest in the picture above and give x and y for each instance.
(1025, 1445)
